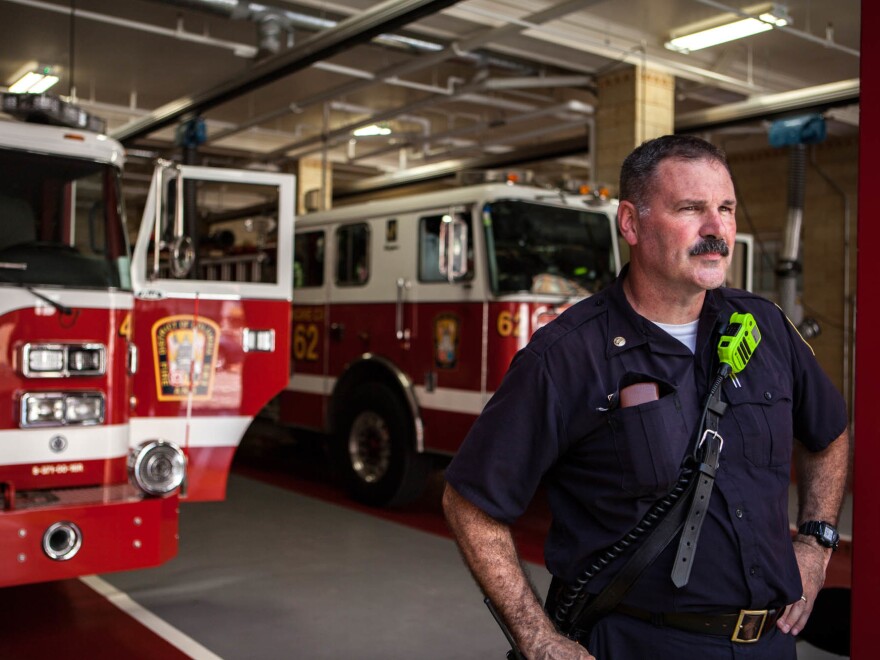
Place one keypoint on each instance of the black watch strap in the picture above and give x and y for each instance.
(824, 532)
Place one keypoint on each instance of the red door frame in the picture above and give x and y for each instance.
(866, 512)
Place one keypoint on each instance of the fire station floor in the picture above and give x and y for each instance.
(286, 567)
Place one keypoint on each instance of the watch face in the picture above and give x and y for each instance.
(828, 534)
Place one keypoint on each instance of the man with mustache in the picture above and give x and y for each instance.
(603, 407)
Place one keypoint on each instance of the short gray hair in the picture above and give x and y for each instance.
(639, 168)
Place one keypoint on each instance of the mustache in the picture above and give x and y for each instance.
(710, 245)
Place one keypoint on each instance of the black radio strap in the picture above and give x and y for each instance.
(606, 600)
(710, 444)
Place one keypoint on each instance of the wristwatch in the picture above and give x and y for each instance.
(825, 533)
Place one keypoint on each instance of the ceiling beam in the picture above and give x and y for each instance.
(767, 106)
(384, 17)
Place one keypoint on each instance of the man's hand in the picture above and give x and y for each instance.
(488, 550)
(557, 647)
(812, 561)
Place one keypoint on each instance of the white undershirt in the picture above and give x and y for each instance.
(686, 333)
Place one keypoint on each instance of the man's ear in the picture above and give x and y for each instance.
(627, 222)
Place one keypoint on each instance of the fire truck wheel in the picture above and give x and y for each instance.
(374, 449)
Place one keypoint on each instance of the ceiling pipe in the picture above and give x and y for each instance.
(314, 142)
(565, 112)
(535, 82)
(242, 50)
(381, 18)
(271, 19)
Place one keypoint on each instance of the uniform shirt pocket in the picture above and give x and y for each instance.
(762, 412)
(650, 440)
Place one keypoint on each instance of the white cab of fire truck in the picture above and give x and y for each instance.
(409, 311)
(126, 382)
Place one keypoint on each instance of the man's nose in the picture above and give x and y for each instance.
(713, 224)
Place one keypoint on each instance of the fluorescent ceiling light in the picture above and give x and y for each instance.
(734, 28)
(372, 129)
(33, 78)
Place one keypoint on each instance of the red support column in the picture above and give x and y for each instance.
(866, 502)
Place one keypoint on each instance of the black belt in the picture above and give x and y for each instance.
(746, 626)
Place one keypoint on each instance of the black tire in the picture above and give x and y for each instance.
(374, 449)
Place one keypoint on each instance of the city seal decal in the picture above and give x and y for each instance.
(446, 341)
(185, 354)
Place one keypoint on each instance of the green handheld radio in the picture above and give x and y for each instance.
(738, 341)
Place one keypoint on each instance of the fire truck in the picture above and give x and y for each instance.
(409, 311)
(128, 377)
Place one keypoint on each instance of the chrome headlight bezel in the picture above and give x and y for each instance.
(64, 360)
(63, 405)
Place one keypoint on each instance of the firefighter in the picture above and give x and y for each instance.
(563, 418)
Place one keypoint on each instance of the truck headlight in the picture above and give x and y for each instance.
(44, 359)
(61, 408)
(87, 359)
(62, 360)
(157, 467)
(83, 409)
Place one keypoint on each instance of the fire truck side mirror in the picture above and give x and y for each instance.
(171, 237)
(453, 247)
(183, 256)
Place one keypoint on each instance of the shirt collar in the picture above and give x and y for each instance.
(627, 329)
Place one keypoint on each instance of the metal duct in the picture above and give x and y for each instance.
(794, 133)
(788, 267)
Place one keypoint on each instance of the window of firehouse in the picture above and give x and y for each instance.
(61, 222)
(308, 259)
(227, 232)
(352, 255)
(429, 248)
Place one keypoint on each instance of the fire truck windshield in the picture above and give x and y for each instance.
(61, 222)
(542, 248)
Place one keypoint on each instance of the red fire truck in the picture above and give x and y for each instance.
(409, 311)
(128, 377)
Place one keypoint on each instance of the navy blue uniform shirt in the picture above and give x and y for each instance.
(556, 419)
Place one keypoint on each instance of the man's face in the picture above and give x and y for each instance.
(690, 203)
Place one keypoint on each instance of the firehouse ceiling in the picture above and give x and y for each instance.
(395, 91)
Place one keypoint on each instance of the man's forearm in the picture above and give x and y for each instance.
(822, 481)
(821, 487)
(488, 549)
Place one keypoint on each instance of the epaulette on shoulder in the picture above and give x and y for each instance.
(584, 311)
(753, 298)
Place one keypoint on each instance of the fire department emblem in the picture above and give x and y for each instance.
(446, 341)
(185, 355)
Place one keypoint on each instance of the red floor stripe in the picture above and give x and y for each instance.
(67, 619)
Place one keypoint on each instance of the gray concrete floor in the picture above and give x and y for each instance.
(273, 574)
(270, 573)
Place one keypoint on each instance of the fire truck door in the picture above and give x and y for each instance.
(212, 280)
